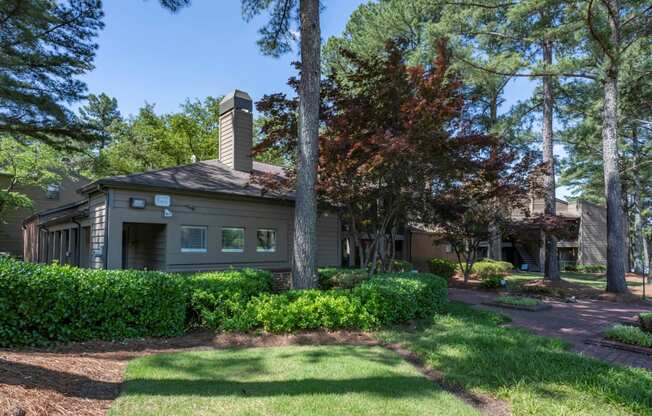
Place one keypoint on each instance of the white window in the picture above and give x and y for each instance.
(233, 239)
(266, 241)
(193, 239)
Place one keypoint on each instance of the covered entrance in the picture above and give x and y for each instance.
(143, 246)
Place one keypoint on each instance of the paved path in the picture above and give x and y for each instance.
(573, 322)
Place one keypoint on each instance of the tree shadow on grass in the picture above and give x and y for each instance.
(472, 352)
(388, 387)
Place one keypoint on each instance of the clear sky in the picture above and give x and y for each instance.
(147, 54)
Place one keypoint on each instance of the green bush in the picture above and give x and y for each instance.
(591, 268)
(487, 268)
(401, 266)
(492, 282)
(42, 304)
(517, 300)
(218, 299)
(443, 268)
(335, 278)
(629, 335)
(384, 299)
(645, 319)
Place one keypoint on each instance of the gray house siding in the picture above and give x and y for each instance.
(97, 211)
(214, 213)
(593, 234)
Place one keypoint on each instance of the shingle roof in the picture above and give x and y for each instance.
(209, 176)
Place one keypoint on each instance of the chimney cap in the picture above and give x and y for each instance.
(236, 99)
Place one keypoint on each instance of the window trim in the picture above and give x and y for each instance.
(233, 250)
(262, 250)
(195, 250)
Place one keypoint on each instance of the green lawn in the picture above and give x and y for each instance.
(327, 380)
(536, 375)
(596, 281)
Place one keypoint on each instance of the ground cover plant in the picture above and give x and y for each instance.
(517, 300)
(645, 319)
(325, 380)
(628, 334)
(535, 375)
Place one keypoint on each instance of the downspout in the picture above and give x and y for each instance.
(77, 243)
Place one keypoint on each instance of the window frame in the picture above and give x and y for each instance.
(233, 250)
(258, 248)
(204, 242)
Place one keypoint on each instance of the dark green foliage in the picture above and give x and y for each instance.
(276, 36)
(401, 266)
(383, 300)
(645, 319)
(442, 267)
(44, 304)
(218, 299)
(492, 282)
(336, 278)
(517, 300)
(591, 268)
(44, 47)
(488, 268)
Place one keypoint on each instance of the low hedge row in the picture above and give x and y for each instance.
(42, 304)
(488, 269)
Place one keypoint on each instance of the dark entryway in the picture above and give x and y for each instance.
(143, 246)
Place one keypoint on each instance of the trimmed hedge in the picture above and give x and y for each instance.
(44, 304)
(384, 299)
(487, 268)
(591, 268)
(442, 267)
(338, 278)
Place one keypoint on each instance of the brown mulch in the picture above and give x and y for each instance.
(83, 379)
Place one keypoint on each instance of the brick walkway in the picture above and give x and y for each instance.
(572, 322)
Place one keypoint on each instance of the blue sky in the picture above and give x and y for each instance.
(147, 54)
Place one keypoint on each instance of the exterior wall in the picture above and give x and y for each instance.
(145, 246)
(215, 213)
(423, 249)
(593, 234)
(236, 137)
(97, 214)
(11, 232)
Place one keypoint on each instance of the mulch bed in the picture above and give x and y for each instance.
(531, 308)
(619, 346)
(83, 379)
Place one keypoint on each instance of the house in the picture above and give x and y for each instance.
(203, 216)
(526, 250)
(56, 194)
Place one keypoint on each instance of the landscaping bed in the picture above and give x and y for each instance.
(518, 302)
(633, 337)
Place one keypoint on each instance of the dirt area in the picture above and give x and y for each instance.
(565, 289)
(83, 379)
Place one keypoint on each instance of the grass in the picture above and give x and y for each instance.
(327, 380)
(535, 375)
(592, 280)
(629, 335)
(517, 300)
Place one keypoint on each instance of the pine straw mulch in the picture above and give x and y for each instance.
(83, 379)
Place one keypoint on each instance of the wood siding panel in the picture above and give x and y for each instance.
(593, 234)
(97, 214)
(423, 250)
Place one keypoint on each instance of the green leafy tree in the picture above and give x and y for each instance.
(44, 47)
(101, 112)
(27, 165)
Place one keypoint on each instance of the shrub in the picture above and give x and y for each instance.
(42, 304)
(629, 335)
(492, 282)
(334, 278)
(443, 268)
(384, 299)
(645, 319)
(517, 300)
(486, 268)
(218, 299)
(591, 268)
(401, 266)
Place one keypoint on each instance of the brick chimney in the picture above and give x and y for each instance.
(236, 131)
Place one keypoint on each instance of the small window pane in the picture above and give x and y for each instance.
(52, 191)
(266, 241)
(233, 240)
(193, 239)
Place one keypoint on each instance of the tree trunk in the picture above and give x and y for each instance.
(616, 254)
(304, 264)
(639, 249)
(551, 265)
